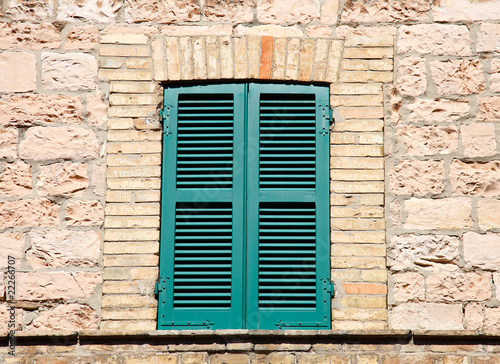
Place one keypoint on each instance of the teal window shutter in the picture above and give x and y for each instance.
(245, 211)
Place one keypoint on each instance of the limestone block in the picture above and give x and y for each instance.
(437, 110)
(488, 37)
(229, 358)
(102, 11)
(99, 179)
(33, 286)
(458, 286)
(69, 71)
(164, 11)
(232, 11)
(29, 212)
(29, 110)
(474, 316)
(482, 250)
(84, 213)
(468, 10)
(383, 11)
(97, 111)
(30, 10)
(318, 31)
(429, 252)
(427, 140)
(270, 29)
(5, 316)
(329, 12)
(82, 37)
(478, 139)
(445, 213)
(71, 316)
(491, 319)
(426, 316)
(475, 178)
(286, 11)
(417, 178)
(17, 72)
(63, 248)
(8, 142)
(438, 39)
(29, 36)
(495, 75)
(408, 287)
(489, 108)
(11, 243)
(411, 79)
(63, 179)
(16, 179)
(457, 76)
(344, 31)
(62, 142)
(488, 214)
(496, 281)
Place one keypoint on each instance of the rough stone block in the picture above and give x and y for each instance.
(437, 110)
(408, 287)
(168, 11)
(458, 286)
(482, 250)
(488, 35)
(229, 359)
(411, 79)
(461, 77)
(97, 111)
(71, 316)
(456, 10)
(68, 71)
(63, 179)
(445, 213)
(478, 139)
(8, 143)
(16, 179)
(63, 248)
(384, 11)
(29, 36)
(492, 319)
(488, 214)
(427, 140)
(22, 10)
(62, 142)
(495, 75)
(329, 14)
(438, 39)
(84, 213)
(82, 37)
(429, 252)
(426, 316)
(489, 108)
(29, 212)
(475, 178)
(11, 243)
(284, 11)
(417, 178)
(29, 110)
(17, 72)
(233, 11)
(474, 316)
(101, 11)
(99, 178)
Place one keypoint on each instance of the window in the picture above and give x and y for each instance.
(245, 207)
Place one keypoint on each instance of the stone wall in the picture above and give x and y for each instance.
(79, 89)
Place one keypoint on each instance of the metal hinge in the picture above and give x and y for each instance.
(326, 119)
(161, 285)
(165, 115)
(329, 286)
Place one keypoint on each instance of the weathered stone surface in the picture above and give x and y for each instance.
(317, 31)
(329, 12)
(84, 213)
(492, 319)
(417, 178)
(11, 243)
(99, 179)
(458, 286)
(82, 37)
(426, 316)
(344, 31)
(63, 179)
(436, 39)
(5, 317)
(411, 79)
(478, 139)
(478, 178)
(8, 142)
(29, 36)
(234, 11)
(382, 11)
(63, 142)
(496, 281)
(474, 316)
(29, 212)
(101, 11)
(408, 287)
(437, 110)
(457, 76)
(34, 286)
(495, 75)
(29, 110)
(63, 248)
(489, 108)
(272, 30)
(17, 72)
(71, 316)
(468, 10)
(196, 30)
(445, 213)
(16, 179)
(30, 10)
(68, 71)
(395, 213)
(427, 140)
(482, 250)
(488, 37)
(164, 11)
(285, 11)
(432, 252)
(97, 111)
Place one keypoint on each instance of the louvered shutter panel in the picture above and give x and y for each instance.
(201, 279)
(288, 208)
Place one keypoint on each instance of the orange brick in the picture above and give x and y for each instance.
(266, 56)
(364, 288)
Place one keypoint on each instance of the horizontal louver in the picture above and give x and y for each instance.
(287, 141)
(202, 263)
(287, 255)
(205, 141)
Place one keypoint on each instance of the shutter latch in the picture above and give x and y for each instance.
(165, 118)
(329, 286)
(161, 285)
(326, 118)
